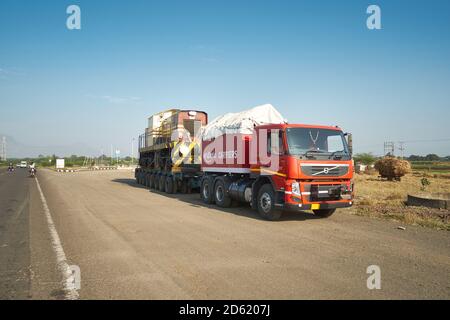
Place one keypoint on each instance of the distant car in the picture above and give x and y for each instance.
(22, 164)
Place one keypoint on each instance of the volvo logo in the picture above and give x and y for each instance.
(325, 170)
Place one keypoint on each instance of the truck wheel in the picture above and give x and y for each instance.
(266, 203)
(221, 195)
(175, 186)
(184, 187)
(169, 185)
(152, 181)
(324, 213)
(206, 192)
(147, 180)
(156, 181)
(162, 180)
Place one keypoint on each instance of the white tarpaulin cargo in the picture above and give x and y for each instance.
(242, 122)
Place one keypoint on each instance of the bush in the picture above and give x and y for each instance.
(425, 183)
(365, 158)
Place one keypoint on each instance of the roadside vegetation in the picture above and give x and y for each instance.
(72, 161)
(387, 199)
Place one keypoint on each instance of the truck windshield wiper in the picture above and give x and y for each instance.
(307, 153)
(335, 154)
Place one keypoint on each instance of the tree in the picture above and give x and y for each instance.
(414, 157)
(365, 158)
(432, 157)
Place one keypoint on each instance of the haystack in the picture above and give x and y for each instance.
(392, 168)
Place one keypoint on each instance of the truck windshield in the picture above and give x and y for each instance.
(315, 142)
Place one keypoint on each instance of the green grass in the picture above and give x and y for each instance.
(431, 166)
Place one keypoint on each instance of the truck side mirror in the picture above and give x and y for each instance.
(349, 137)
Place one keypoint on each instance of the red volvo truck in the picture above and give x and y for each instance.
(256, 157)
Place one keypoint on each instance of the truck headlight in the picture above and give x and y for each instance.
(295, 188)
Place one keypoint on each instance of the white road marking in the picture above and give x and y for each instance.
(68, 279)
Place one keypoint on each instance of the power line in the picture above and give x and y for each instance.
(426, 140)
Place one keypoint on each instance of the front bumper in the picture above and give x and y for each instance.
(316, 206)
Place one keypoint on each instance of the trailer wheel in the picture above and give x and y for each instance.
(184, 187)
(175, 186)
(161, 183)
(206, 191)
(266, 203)
(221, 195)
(169, 185)
(147, 180)
(152, 181)
(324, 213)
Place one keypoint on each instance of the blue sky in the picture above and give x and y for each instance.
(315, 61)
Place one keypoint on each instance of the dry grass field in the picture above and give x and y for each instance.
(386, 199)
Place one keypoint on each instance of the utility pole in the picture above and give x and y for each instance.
(3, 154)
(389, 148)
(401, 148)
(132, 151)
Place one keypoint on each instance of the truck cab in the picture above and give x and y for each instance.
(315, 168)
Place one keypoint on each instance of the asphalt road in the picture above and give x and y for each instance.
(133, 243)
(27, 259)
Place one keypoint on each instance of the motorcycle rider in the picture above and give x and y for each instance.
(32, 169)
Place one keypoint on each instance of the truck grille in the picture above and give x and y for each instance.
(320, 192)
(325, 170)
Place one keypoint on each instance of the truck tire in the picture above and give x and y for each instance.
(175, 186)
(266, 203)
(221, 196)
(162, 180)
(147, 180)
(152, 181)
(324, 213)
(206, 192)
(168, 185)
(184, 187)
